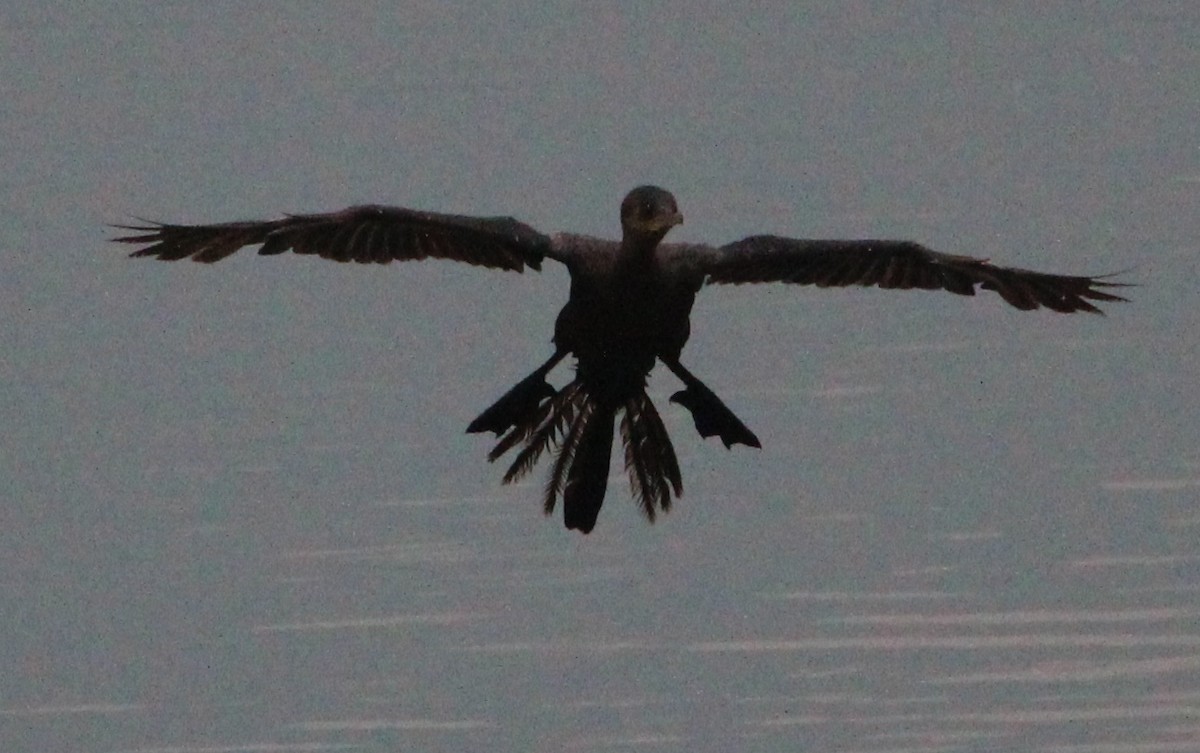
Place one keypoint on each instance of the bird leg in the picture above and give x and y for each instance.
(519, 401)
(712, 417)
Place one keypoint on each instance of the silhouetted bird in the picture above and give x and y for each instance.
(629, 307)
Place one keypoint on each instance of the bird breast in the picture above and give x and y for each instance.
(628, 310)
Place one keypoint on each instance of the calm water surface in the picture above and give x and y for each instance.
(241, 513)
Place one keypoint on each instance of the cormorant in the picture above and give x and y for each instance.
(629, 307)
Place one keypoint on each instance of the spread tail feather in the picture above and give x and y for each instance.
(587, 474)
(649, 457)
(579, 426)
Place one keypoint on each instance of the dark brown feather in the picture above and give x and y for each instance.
(364, 234)
(550, 425)
(587, 477)
(901, 265)
(556, 482)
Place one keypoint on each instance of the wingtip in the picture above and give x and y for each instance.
(149, 231)
(1095, 292)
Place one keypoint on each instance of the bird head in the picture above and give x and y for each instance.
(648, 212)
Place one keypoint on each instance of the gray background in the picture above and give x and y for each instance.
(239, 511)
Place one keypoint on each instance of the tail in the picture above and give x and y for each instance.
(579, 426)
(649, 457)
(581, 468)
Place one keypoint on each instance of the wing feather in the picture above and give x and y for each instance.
(889, 264)
(365, 234)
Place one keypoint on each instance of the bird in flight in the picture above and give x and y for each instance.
(629, 307)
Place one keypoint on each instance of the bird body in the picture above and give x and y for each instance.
(625, 301)
(629, 308)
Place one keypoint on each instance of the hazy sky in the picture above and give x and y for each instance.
(241, 512)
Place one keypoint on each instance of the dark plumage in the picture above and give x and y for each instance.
(629, 308)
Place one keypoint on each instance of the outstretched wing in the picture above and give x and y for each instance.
(890, 264)
(364, 234)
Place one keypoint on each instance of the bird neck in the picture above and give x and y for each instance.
(640, 246)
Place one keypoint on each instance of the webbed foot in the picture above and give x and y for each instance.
(713, 418)
(514, 405)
